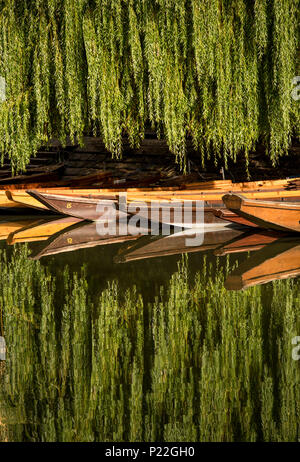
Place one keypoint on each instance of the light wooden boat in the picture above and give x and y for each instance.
(211, 201)
(210, 191)
(266, 214)
(27, 200)
(7, 204)
(279, 260)
(12, 199)
(21, 199)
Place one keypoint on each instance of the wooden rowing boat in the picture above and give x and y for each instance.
(24, 199)
(278, 260)
(211, 200)
(210, 192)
(84, 203)
(266, 214)
(106, 208)
(81, 207)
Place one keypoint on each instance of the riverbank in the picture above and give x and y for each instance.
(152, 162)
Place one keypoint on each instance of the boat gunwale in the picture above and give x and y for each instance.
(261, 202)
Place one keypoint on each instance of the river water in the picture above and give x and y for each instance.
(143, 338)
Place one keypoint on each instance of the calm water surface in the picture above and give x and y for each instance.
(147, 340)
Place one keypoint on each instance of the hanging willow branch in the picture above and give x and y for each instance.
(219, 72)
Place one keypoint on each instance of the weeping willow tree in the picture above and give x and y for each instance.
(217, 71)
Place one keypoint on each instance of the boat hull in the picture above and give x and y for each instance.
(92, 209)
(281, 216)
(179, 215)
(106, 209)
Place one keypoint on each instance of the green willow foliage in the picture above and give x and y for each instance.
(199, 363)
(218, 71)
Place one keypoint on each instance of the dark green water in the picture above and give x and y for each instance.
(155, 349)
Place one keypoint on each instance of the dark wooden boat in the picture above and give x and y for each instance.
(82, 236)
(175, 244)
(278, 260)
(178, 214)
(281, 216)
(36, 175)
(87, 208)
(249, 242)
(168, 212)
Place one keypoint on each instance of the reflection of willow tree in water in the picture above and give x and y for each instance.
(218, 71)
(3, 426)
(198, 364)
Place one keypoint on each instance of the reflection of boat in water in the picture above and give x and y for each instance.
(278, 260)
(41, 230)
(232, 217)
(10, 225)
(85, 235)
(282, 216)
(248, 242)
(2, 339)
(176, 244)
